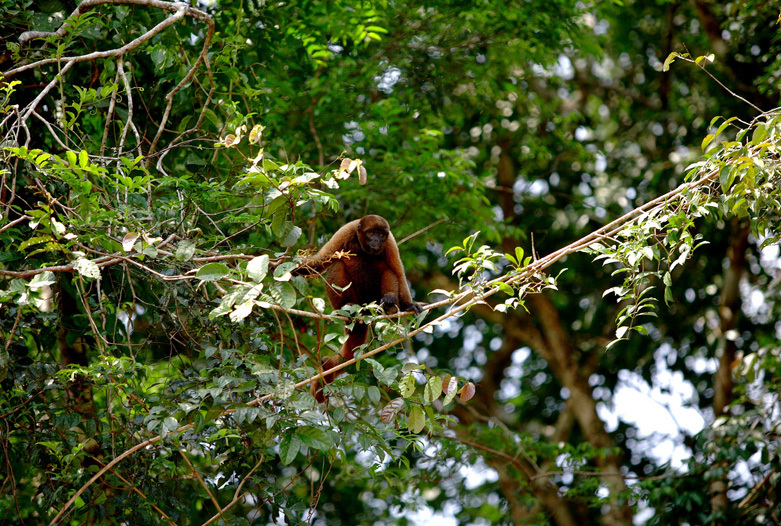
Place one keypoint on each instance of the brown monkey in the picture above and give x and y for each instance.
(362, 256)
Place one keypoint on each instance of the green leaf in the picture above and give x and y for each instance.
(292, 237)
(450, 388)
(235, 294)
(185, 250)
(282, 272)
(760, 133)
(669, 60)
(284, 389)
(727, 177)
(374, 394)
(289, 446)
(314, 437)
(283, 294)
(169, 424)
(256, 133)
(519, 255)
(87, 268)
(384, 376)
(433, 389)
(411, 366)
(41, 280)
(34, 241)
(407, 385)
(241, 311)
(416, 420)
(212, 272)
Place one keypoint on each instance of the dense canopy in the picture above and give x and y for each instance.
(586, 195)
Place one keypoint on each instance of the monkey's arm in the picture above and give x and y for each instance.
(393, 258)
(324, 258)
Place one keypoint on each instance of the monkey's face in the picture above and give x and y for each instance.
(373, 240)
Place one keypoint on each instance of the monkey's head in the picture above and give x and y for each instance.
(373, 232)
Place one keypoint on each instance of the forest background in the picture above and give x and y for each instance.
(588, 195)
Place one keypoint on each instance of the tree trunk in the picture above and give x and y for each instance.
(729, 309)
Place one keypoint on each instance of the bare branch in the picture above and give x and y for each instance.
(14, 222)
(110, 113)
(129, 123)
(202, 483)
(202, 58)
(179, 13)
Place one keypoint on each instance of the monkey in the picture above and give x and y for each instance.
(365, 266)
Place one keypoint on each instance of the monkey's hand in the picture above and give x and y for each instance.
(389, 302)
(304, 270)
(417, 308)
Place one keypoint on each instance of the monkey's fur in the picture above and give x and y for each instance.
(362, 254)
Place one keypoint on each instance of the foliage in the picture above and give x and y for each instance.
(165, 166)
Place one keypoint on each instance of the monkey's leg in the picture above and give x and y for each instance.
(356, 337)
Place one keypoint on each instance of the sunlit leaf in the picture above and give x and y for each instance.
(467, 391)
(257, 268)
(416, 420)
(129, 241)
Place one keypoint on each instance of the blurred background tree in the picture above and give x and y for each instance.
(534, 123)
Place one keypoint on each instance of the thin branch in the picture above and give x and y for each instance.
(203, 58)
(237, 498)
(435, 223)
(181, 10)
(140, 493)
(45, 91)
(53, 133)
(14, 222)
(110, 113)
(129, 123)
(247, 476)
(200, 480)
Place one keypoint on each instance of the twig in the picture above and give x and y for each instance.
(247, 476)
(34, 104)
(435, 223)
(129, 123)
(703, 68)
(200, 480)
(13, 329)
(202, 59)
(110, 113)
(237, 498)
(52, 132)
(14, 222)
(753, 493)
(178, 14)
(140, 493)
